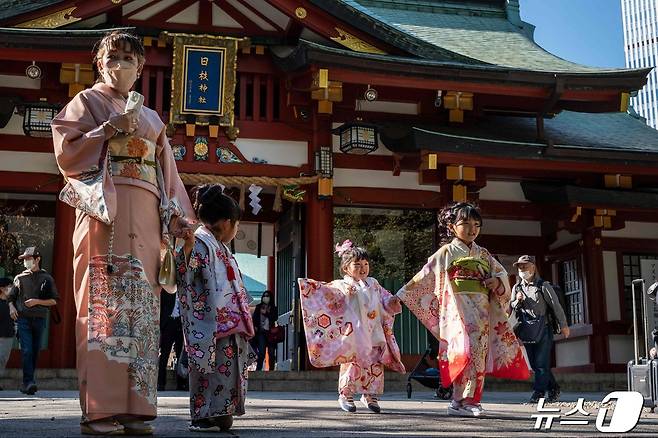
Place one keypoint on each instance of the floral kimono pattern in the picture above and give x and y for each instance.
(217, 325)
(351, 324)
(116, 288)
(448, 296)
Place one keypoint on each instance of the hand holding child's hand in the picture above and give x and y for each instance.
(492, 283)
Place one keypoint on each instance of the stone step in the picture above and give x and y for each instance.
(327, 381)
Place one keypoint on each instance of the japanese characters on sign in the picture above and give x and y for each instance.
(203, 80)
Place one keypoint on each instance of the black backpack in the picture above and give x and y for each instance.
(552, 317)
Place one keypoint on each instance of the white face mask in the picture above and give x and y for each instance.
(29, 264)
(266, 300)
(525, 275)
(121, 76)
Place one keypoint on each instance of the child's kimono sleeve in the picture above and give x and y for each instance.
(391, 306)
(419, 295)
(329, 324)
(195, 280)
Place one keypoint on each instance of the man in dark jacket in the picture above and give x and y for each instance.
(33, 292)
(534, 299)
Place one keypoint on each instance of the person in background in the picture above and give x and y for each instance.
(33, 292)
(264, 317)
(7, 330)
(171, 335)
(534, 295)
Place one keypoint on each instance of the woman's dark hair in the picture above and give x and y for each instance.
(211, 204)
(116, 40)
(454, 213)
(353, 254)
(269, 294)
(5, 281)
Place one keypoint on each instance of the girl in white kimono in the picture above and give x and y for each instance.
(461, 295)
(215, 314)
(349, 322)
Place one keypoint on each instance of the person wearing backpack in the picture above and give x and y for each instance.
(538, 309)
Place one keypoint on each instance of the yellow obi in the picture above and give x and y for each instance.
(467, 275)
(133, 157)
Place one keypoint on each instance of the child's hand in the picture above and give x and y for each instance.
(492, 283)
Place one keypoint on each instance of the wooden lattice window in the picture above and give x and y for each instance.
(632, 271)
(573, 292)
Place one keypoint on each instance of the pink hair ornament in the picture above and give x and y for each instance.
(340, 249)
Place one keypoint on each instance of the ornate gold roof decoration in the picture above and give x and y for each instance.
(51, 21)
(351, 42)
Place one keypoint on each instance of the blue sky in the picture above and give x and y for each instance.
(588, 32)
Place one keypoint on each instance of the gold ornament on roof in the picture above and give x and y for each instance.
(300, 13)
(52, 21)
(351, 42)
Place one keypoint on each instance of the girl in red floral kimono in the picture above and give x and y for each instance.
(461, 295)
(349, 322)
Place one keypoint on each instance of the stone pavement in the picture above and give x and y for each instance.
(304, 414)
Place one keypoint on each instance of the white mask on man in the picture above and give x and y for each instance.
(265, 300)
(121, 76)
(28, 263)
(526, 275)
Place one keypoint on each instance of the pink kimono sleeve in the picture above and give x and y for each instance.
(419, 295)
(78, 137)
(178, 199)
(390, 303)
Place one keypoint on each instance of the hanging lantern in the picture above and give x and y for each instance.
(38, 117)
(324, 163)
(357, 138)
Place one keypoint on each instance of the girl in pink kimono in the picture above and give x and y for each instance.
(215, 314)
(462, 295)
(116, 266)
(349, 322)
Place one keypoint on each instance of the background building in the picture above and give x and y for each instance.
(640, 21)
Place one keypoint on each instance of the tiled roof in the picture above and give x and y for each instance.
(477, 32)
(12, 8)
(580, 136)
(602, 131)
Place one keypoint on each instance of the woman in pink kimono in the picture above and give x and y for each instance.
(349, 322)
(116, 266)
(462, 295)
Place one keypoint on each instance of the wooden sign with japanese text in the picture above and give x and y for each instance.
(203, 79)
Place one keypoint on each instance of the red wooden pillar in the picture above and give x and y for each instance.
(319, 213)
(595, 313)
(62, 335)
(271, 276)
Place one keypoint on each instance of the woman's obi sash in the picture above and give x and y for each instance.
(467, 275)
(133, 157)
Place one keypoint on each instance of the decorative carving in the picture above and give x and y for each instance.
(300, 13)
(201, 149)
(52, 21)
(351, 42)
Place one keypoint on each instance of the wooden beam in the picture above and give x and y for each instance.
(241, 169)
(388, 197)
(556, 165)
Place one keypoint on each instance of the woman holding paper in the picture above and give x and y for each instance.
(116, 266)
